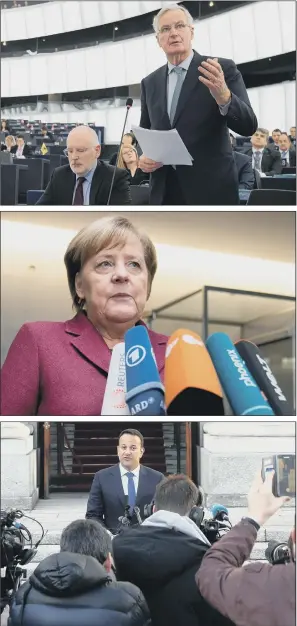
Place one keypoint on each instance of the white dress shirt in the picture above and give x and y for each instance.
(285, 155)
(172, 80)
(124, 478)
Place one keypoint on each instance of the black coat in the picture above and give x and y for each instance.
(60, 188)
(212, 179)
(27, 151)
(162, 563)
(271, 161)
(292, 158)
(246, 177)
(75, 590)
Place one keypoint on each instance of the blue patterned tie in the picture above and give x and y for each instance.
(180, 79)
(131, 490)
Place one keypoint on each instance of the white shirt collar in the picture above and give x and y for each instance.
(124, 471)
(258, 150)
(185, 64)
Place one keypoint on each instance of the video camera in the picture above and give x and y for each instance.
(278, 553)
(14, 553)
(212, 527)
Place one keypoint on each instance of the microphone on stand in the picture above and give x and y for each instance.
(129, 103)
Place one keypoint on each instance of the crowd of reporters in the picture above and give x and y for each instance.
(163, 571)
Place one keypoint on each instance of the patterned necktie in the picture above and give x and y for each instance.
(79, 194)
(180, 79)
(131, 490)
(257, 160)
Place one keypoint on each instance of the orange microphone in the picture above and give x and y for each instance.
(191, 383)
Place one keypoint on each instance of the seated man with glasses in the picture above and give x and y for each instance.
(86, 180)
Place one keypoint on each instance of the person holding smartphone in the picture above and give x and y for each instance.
(259, 594)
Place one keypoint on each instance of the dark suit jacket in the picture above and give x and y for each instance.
(271, 161)
(60, 368)
(292, 158)
(106, 501)
(60, 188)
(27, 151)
(246, 177)
(212, 179)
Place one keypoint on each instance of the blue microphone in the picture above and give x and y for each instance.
(145, 392)
(220, 512)
(242, 391)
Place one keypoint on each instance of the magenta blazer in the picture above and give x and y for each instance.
(60, 368)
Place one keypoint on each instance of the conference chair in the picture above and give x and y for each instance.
(10, 182)
(33, 196)
(289, 170)
(281, 181)
(274, 197)
(140, 194)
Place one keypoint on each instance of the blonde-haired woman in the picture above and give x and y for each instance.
(129, 160)
(61, 368)
(9, 143)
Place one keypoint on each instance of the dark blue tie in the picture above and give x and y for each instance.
(131, 490)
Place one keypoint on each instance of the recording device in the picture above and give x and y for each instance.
(213, 527)
(278, 553)
(242, 391)
(145, 392)
(129, 103)
(283, 483)
(14, 553)
(264, 377)
(191, 383)
(114, 397)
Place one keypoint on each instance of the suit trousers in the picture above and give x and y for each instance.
(173, 192)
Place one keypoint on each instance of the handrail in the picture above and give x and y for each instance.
(67, 445)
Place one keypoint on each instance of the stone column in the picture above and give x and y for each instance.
(18, 467)
(231, 454)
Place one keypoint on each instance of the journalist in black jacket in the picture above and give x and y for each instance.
(162, 562)
(161, 557)
(71, 589)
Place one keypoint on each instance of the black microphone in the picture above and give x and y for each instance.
(264, 377)
(129, 103)
(137, 514)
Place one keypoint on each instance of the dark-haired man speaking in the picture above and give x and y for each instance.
(127, 483)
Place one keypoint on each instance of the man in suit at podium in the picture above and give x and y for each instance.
(126, 484)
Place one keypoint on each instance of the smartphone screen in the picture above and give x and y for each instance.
(285, 475)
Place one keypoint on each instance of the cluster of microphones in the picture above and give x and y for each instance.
(197, 376)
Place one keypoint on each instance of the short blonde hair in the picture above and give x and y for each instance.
(121, 162)
(102, 234)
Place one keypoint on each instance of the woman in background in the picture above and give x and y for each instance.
(9, 143)
(129, 160)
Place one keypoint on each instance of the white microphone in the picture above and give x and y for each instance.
(114, 398)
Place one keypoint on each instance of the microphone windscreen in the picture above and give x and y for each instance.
(114, 397)
(264, 377)
(129, 102)
(218, 508)
(145, 392)
(191, 384)
(243, 393)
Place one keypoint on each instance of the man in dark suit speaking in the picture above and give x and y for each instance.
(201, 98)
(86, 180)
(127, 483)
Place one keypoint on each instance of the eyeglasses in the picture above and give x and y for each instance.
(71, 151)
(180, 26)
